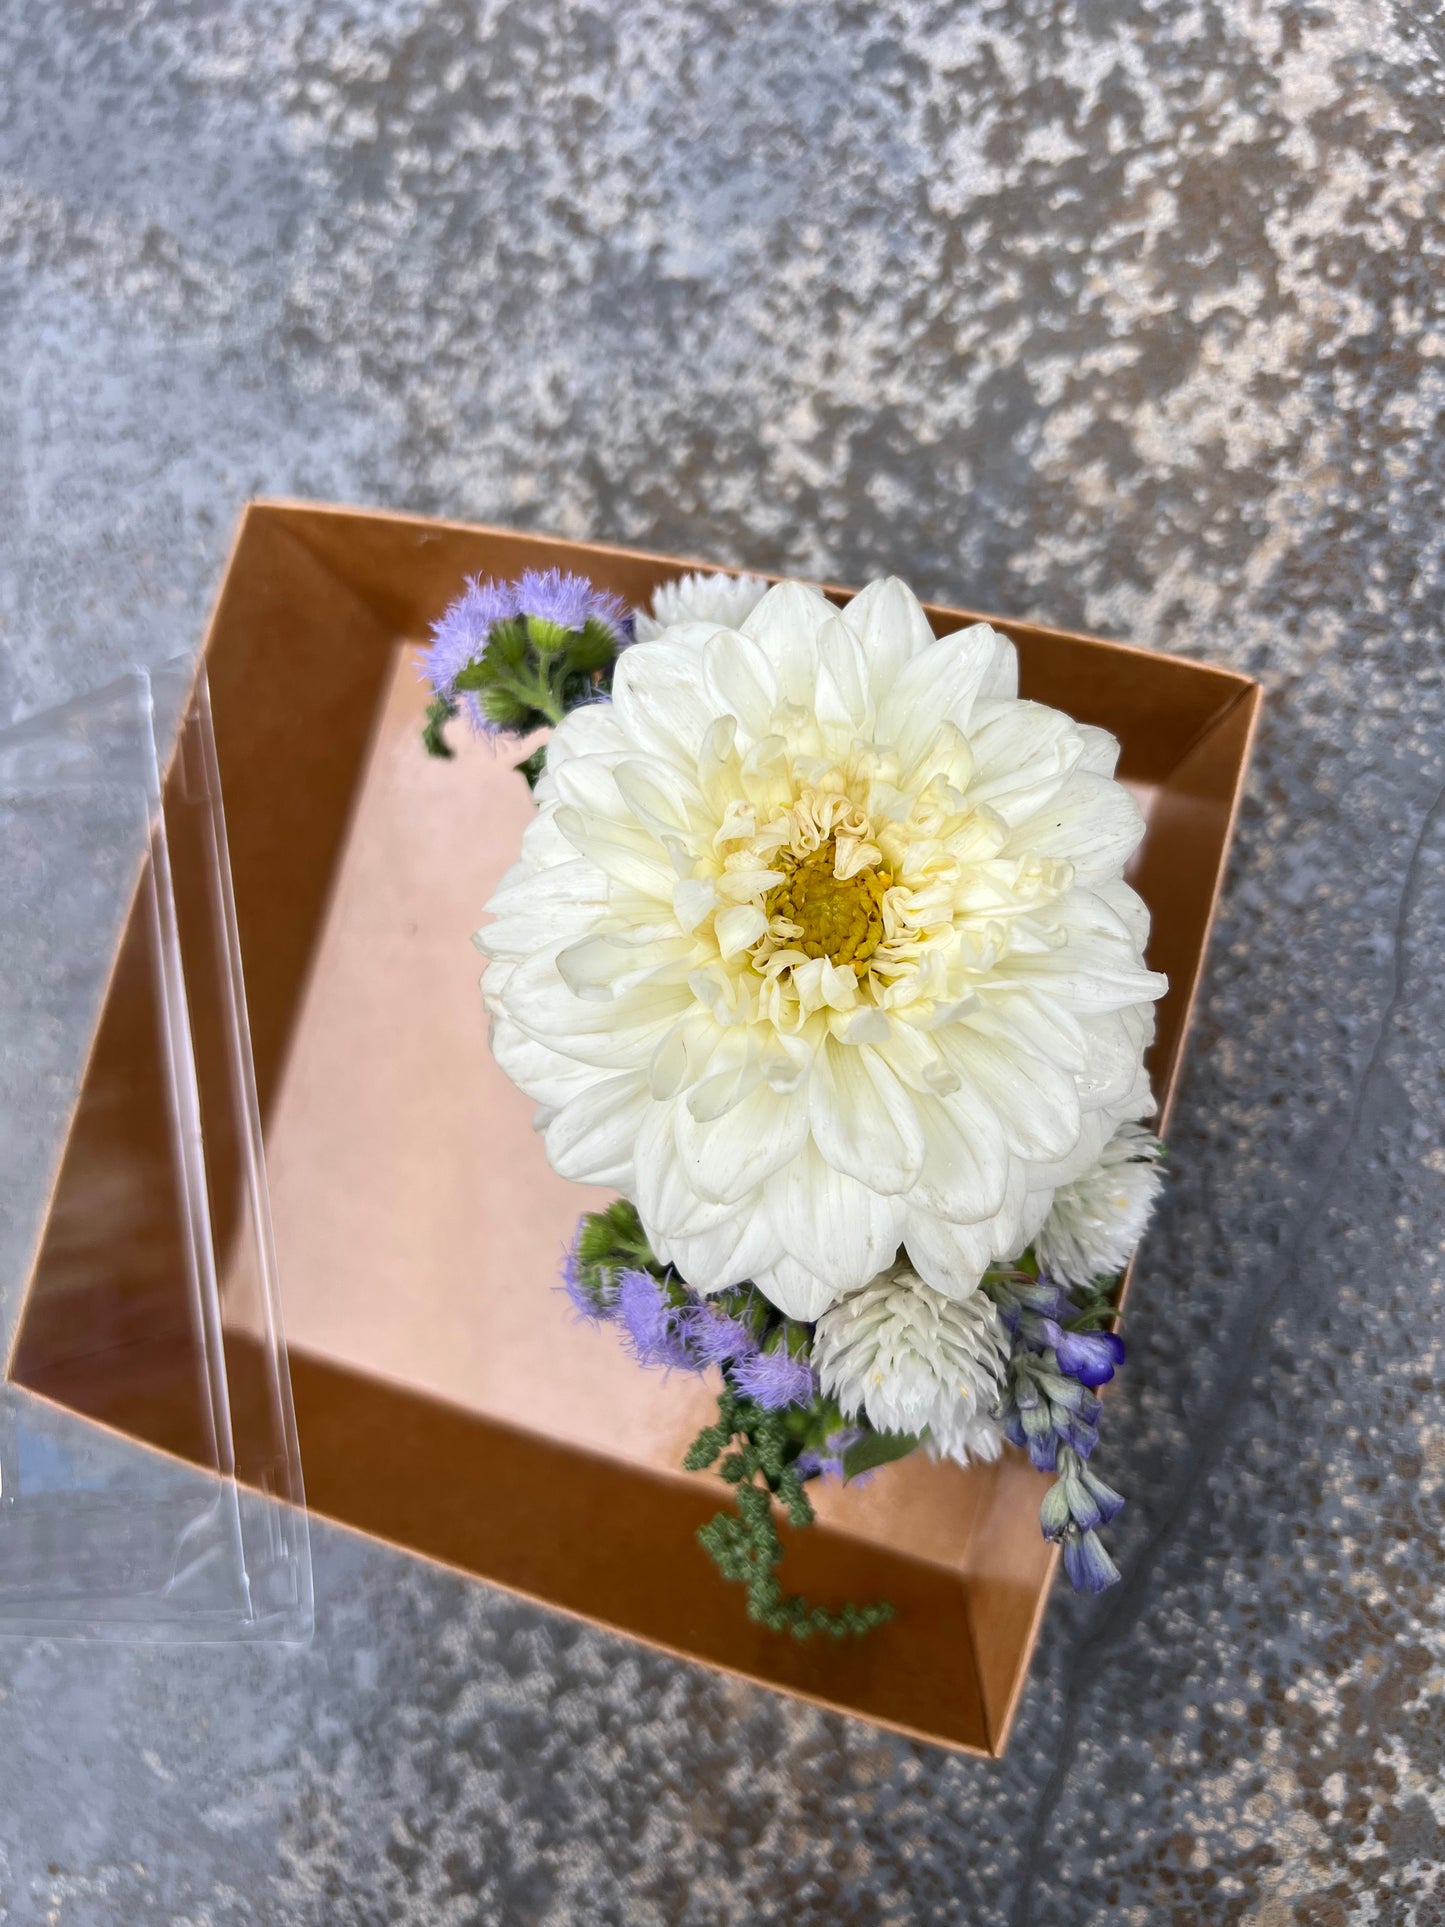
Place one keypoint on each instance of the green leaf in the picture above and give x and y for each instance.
(878, 1448)
(532, 766)
(439, 713)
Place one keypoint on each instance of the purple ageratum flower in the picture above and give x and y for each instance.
(592, 1310)
(570, 601)
(716, 1337)
(775, 1379)
(461, 636)
(657, 1330)
(827, 1462)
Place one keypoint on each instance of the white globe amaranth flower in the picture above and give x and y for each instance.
(700, 597)
(819, 945)
(911, 1359)
(1097, 1219)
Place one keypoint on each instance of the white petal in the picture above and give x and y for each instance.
(739, 927)
(619, 1035)
(668, 1205)
(785, 627)
(865, 1025)
(591, 1138)
(938, 685)
(520, 931)
(1116, 1042)
(1101, 750)
(843, 685)
(656, 795)
(1090, 822)
(1088, 977)
(739, 1247)
(740, 682)
(733, 1068)
(965, 1167)
(592, 729)
(1128, 906)
(796, 1291)
(1022, 755)
(725, 1158)
(950, 1257)
(544, 1074)
(1001, 684)
(1040, 1024)
(863, 1121)
(588, 784)
(831, 1223)
(1035, 1210)
(591, 967)
(888, 620)
(526, 893)
(1095, 1130)
(659, 700)
(693, 899)
(625, 853)
(1036, 1101)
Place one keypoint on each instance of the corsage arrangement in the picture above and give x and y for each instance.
(819, 953)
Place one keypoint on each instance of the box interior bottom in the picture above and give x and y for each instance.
(419, 1228)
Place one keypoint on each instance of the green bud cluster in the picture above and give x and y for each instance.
(608, 1242)
(759, 1450)
(531, 672)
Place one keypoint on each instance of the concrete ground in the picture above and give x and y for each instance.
(1123, 315)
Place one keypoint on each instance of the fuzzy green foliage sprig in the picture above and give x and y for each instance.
(774, 1428)
(759, 1453)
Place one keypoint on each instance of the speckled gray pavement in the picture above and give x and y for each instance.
(1116, 314)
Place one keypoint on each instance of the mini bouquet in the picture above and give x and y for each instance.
(819, 953)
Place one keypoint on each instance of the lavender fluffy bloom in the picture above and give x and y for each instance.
(568, 600)
(827, 1462)
(656, 1328)
(716, 1337)
(592, 1310)
(461, 636)
(775, 1379)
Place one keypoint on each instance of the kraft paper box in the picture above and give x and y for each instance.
(446, 1399)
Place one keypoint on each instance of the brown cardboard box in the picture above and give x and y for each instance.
(445, 1398)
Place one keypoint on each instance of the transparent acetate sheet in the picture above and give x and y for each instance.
(149, 1480)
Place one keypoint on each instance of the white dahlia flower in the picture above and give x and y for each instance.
(1096, 1220)
(726, 599)
(910, 1358)
(819, 945)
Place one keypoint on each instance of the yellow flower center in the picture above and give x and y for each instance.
(840, 918)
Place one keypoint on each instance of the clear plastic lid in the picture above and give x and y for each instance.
(150, 1485)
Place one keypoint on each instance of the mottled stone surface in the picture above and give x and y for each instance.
(1118, 314)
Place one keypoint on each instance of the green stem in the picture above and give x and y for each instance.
(537, 693)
